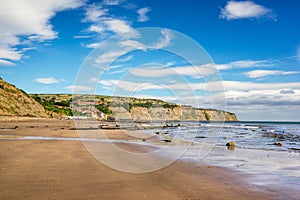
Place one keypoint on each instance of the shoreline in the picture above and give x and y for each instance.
(54, 169)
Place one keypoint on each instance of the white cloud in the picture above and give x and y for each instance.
(82, 36)
(264, 104)
(96, 28)
(125, 59)
(112, 2)
(262, 97)
(211, 87)
(245, 86)
(7, 52)
(287, 91)
(124, 69)
(243, 64)
(94, 12)
(164, 41)
(103, 22)
(298, 53)
(118, 26)
(79, 88)
(49, 80)
(263, 73)
(244, 9)
(197, 71)
(32, 17)
(6, 63)
(132, 44)
(143, 14)
(161, 71)
(132, 86)
(124, 43)
(29, 20)
(108, 57)
(8, 38)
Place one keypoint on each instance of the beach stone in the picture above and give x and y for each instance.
(230, 144)
(278, 144)
(231, 148)
(159, 133)
(201, 137)
(167, 140)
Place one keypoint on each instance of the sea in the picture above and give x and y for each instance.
(245, 134)
(269, 152)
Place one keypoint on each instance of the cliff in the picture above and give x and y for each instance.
(15, 102)
(124, 108)
(177, 113)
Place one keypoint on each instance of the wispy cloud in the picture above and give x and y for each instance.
(203, 86)
(125, 43)
(118, 25)
(263, 73)
(244, 9)
(298, 53)
(102, 22)
(244, 64)
(113, 2)
(6, 63)
(162, 71)
(143, 14)
(247, 85)
(48, 80)
(125, 59)
(164, 41)
(82, 36)
(79, 88)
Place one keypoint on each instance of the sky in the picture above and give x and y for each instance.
(241, 56)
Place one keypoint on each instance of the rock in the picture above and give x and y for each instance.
(167, 140)
(230, 144)
(278, 144)
(159, 133)
(231, 148)
(201, 137)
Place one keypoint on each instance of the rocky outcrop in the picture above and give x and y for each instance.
(15, 102)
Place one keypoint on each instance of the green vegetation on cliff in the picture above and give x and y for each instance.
(60, 107)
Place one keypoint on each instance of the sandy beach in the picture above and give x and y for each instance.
(62, 169)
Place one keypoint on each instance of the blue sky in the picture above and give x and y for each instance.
(251, 48)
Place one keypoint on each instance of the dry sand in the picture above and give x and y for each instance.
(49, 169)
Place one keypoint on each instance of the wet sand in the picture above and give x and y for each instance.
(57, 169)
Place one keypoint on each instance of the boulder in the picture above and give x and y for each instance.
(230, 144)
(278, 144)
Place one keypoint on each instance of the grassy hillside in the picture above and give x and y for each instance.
(15, 102)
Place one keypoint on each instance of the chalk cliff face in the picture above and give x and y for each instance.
(15, 102)
(173, 114)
